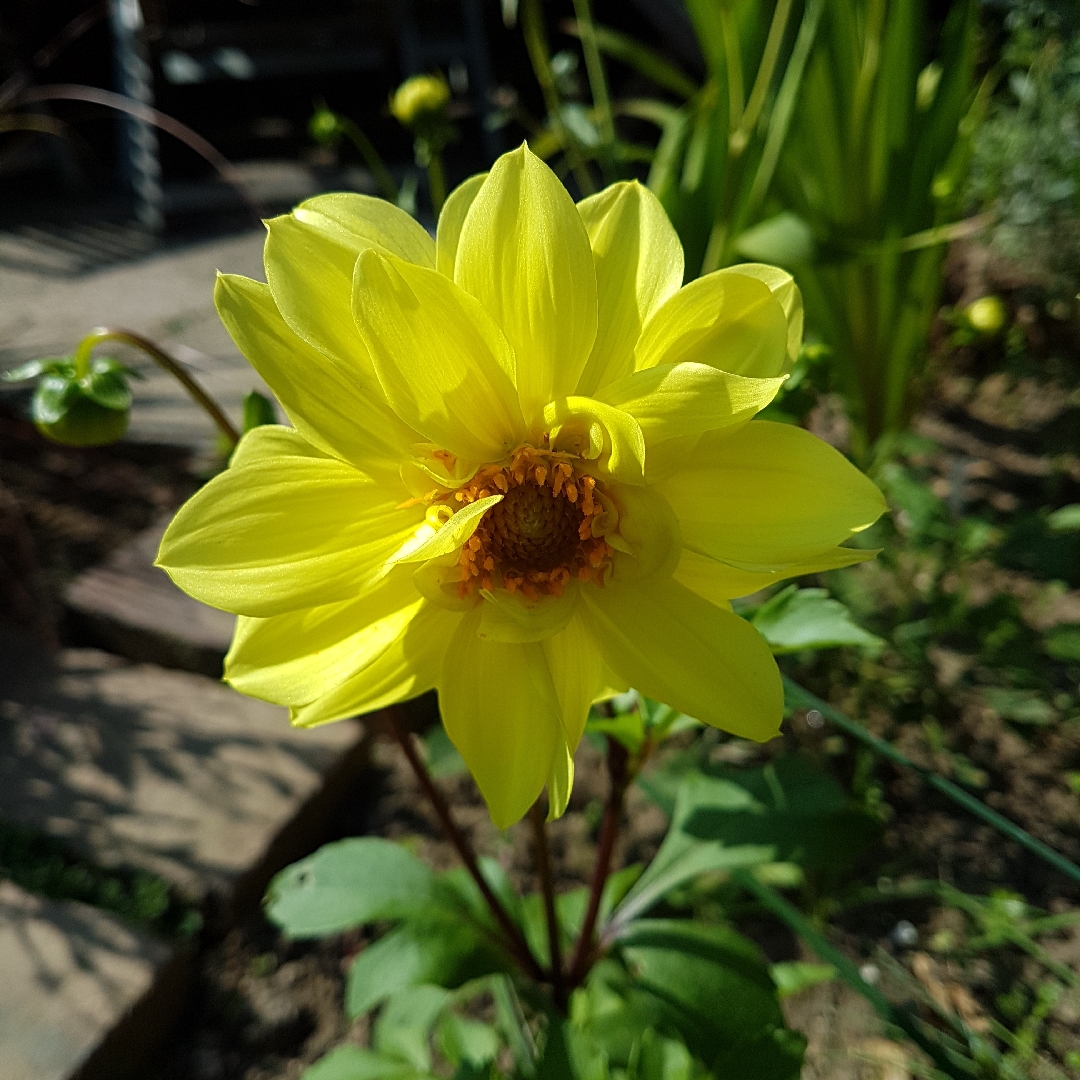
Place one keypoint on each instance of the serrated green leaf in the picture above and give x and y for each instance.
(798, 619)
(347, 884)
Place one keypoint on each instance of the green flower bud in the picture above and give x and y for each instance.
(324, 126)
(986, 315)
(418, 97)
(78, 409)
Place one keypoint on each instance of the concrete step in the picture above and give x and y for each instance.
(130, 607)
(82, 995)
(164, 770)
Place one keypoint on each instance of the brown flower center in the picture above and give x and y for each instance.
(543, 532)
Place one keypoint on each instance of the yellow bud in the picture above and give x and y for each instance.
(986, 315)
(418, 96)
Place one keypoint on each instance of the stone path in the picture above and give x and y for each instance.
(168, 296)
(72, 973)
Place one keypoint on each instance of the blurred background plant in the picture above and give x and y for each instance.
(1026, 163)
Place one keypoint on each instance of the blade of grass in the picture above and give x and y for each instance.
(594, 67)
(798, 698)
(641, 58)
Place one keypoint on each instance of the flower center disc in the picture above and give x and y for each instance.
(542, 532)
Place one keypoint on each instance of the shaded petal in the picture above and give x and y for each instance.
(451, 219)
(284, 533)
(718, 583)
(673, 400)
(501, 711)
(578, 672)
(782, 286)
(639, 264)
(340, 410)
(524, 254)
(726, 320)
(649, 542)
(294, 658)
(407, 667)
(443, 364)
(599, 433)
(769, 495)
(511, 617)
(694, 656)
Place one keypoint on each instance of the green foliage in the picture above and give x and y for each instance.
(41, 864)
(873, 166)
(75, 404)
(798, 619)
(1026, 166)
(258, 410)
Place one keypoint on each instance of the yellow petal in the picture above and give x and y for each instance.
(511, 617)
(430, 543)
(694, 656)
(639, 264)
(444, 366)
(718, 582)
(451, 219)
(310, 255)
(560, 782)
(782, 286)
(524, 254)
(726, 320)
(269, 441)
(356, 222)
(342, 411)
(294, 658)
(768, 495)
(406, 668)
(501, 711)
(578, 672)
(673, 400)
(284, 533)
(599, 433)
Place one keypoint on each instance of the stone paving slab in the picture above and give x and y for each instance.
(164, 770)
(168, 296)
(130, 607)
(82, 994)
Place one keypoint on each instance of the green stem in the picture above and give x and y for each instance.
(547, 889)
(372, 158)
(163, 359)
(733, 63)
(532, 27)
(741, 136)
(436, 182)
(594, 65)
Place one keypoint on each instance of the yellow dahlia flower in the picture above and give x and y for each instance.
(522, 471)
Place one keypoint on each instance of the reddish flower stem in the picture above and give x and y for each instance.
(619, 779)
(515, 940)
(547, 888)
